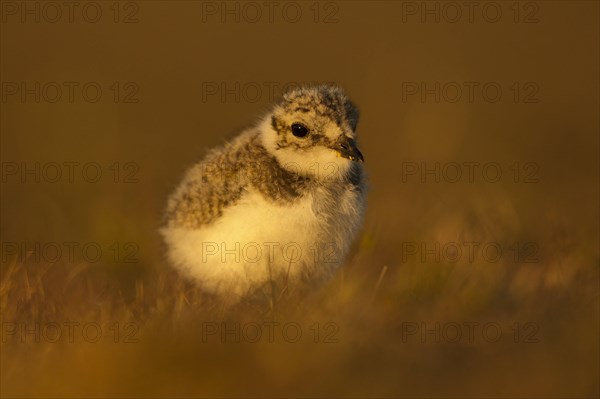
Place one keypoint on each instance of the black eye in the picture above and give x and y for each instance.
(299, 130)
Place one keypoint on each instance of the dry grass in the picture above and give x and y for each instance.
(369, 302)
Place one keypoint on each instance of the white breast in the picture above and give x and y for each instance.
(256, 240)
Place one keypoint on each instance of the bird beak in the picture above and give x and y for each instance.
(346, 148)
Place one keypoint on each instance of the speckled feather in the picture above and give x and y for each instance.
(222, 178)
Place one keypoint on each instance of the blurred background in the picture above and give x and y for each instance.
(476, 273)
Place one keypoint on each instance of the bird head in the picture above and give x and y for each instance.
(312, 131)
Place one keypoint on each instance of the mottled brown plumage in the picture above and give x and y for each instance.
(290, 179)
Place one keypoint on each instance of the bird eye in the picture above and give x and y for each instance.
(299, 130)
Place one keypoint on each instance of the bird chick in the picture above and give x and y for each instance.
(281, 202)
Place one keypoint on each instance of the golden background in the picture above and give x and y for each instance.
(167, 56)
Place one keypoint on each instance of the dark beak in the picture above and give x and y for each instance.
(346, 148)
